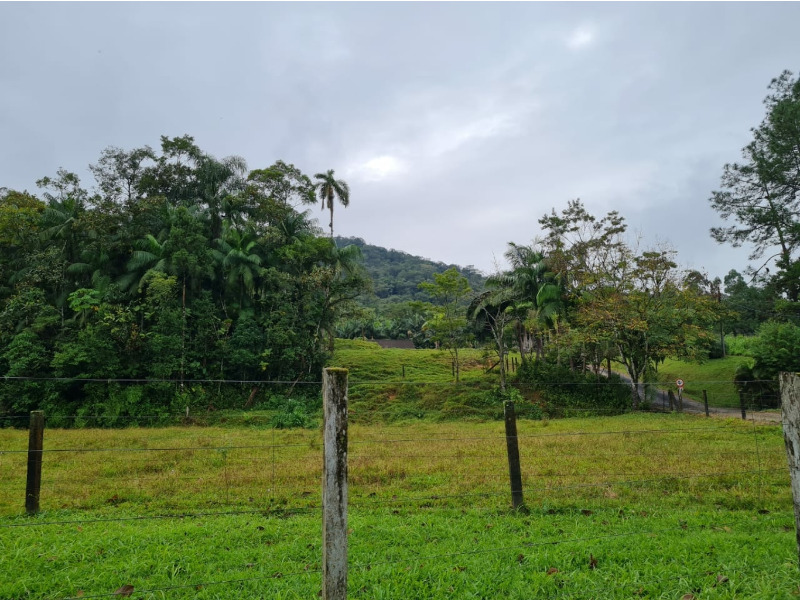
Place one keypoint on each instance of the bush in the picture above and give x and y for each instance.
(291, 415)
(562, 391)
(776, 349)
(739, 345)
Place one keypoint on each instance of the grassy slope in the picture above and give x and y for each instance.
(379, 391)
(666, 504)
(715, 376)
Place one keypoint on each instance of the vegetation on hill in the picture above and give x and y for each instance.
(396, 275)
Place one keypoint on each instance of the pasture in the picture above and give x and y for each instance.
(632, 506)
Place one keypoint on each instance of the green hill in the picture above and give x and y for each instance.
(396, 275)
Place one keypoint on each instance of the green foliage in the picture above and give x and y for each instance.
(561, 391)
(292, 414)
(739, 345)
(760, 193)
(180, 267)
(776, 349)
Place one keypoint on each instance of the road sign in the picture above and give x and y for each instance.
(679, 383)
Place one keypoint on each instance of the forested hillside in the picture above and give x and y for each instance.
(396, 275)
(397, 307)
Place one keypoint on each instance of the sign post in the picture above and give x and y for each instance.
(679, 383)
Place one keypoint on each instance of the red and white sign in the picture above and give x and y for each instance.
(679, 383)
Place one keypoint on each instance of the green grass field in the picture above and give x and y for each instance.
(633, 506)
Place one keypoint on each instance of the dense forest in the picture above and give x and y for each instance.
(174, 267)
(396, 275)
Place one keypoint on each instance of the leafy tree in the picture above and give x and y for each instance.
(637, 304)
(762, 193)
(449, 323)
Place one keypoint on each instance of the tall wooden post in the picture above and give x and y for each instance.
(334, 484)
(790, 417)
(741, 405)
(35, 447)
(512, 447)
(705, 401)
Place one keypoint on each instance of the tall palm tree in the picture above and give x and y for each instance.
(329, 188)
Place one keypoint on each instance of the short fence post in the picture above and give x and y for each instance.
(741, 405)
(671, 397)
(35, 447)
(512, 447)
(705, 401)
(334, 484)
(404, 371)
(790, 417)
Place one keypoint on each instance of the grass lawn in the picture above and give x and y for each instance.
(634, 506)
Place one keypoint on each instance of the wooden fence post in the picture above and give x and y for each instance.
(35, 447)
(790, 417)
(671, 396)
(705, 401)
(334, 484)
(741, 405)
(512, 447)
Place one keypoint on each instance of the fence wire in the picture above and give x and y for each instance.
(440, 467)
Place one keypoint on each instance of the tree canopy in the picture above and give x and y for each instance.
(174, 267)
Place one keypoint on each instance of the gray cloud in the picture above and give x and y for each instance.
(457, 125)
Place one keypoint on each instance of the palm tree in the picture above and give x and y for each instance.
(538, 293)
(237, 255)
(328, 189)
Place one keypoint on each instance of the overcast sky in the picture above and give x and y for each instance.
(456, 125)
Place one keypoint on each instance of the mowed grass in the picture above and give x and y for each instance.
(634, 506)
(715, 376)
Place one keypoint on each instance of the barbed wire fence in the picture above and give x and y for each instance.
(208, 474)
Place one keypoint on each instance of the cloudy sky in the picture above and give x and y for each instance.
(457, 125)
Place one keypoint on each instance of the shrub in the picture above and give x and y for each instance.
(291, 415)
(562, 390)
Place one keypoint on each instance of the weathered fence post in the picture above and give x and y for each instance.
(334, 484)
(790, 417)
(671, 396)
(404, 371)
(512, 447)
(705, 401)
(35, 446)
(741, 405)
